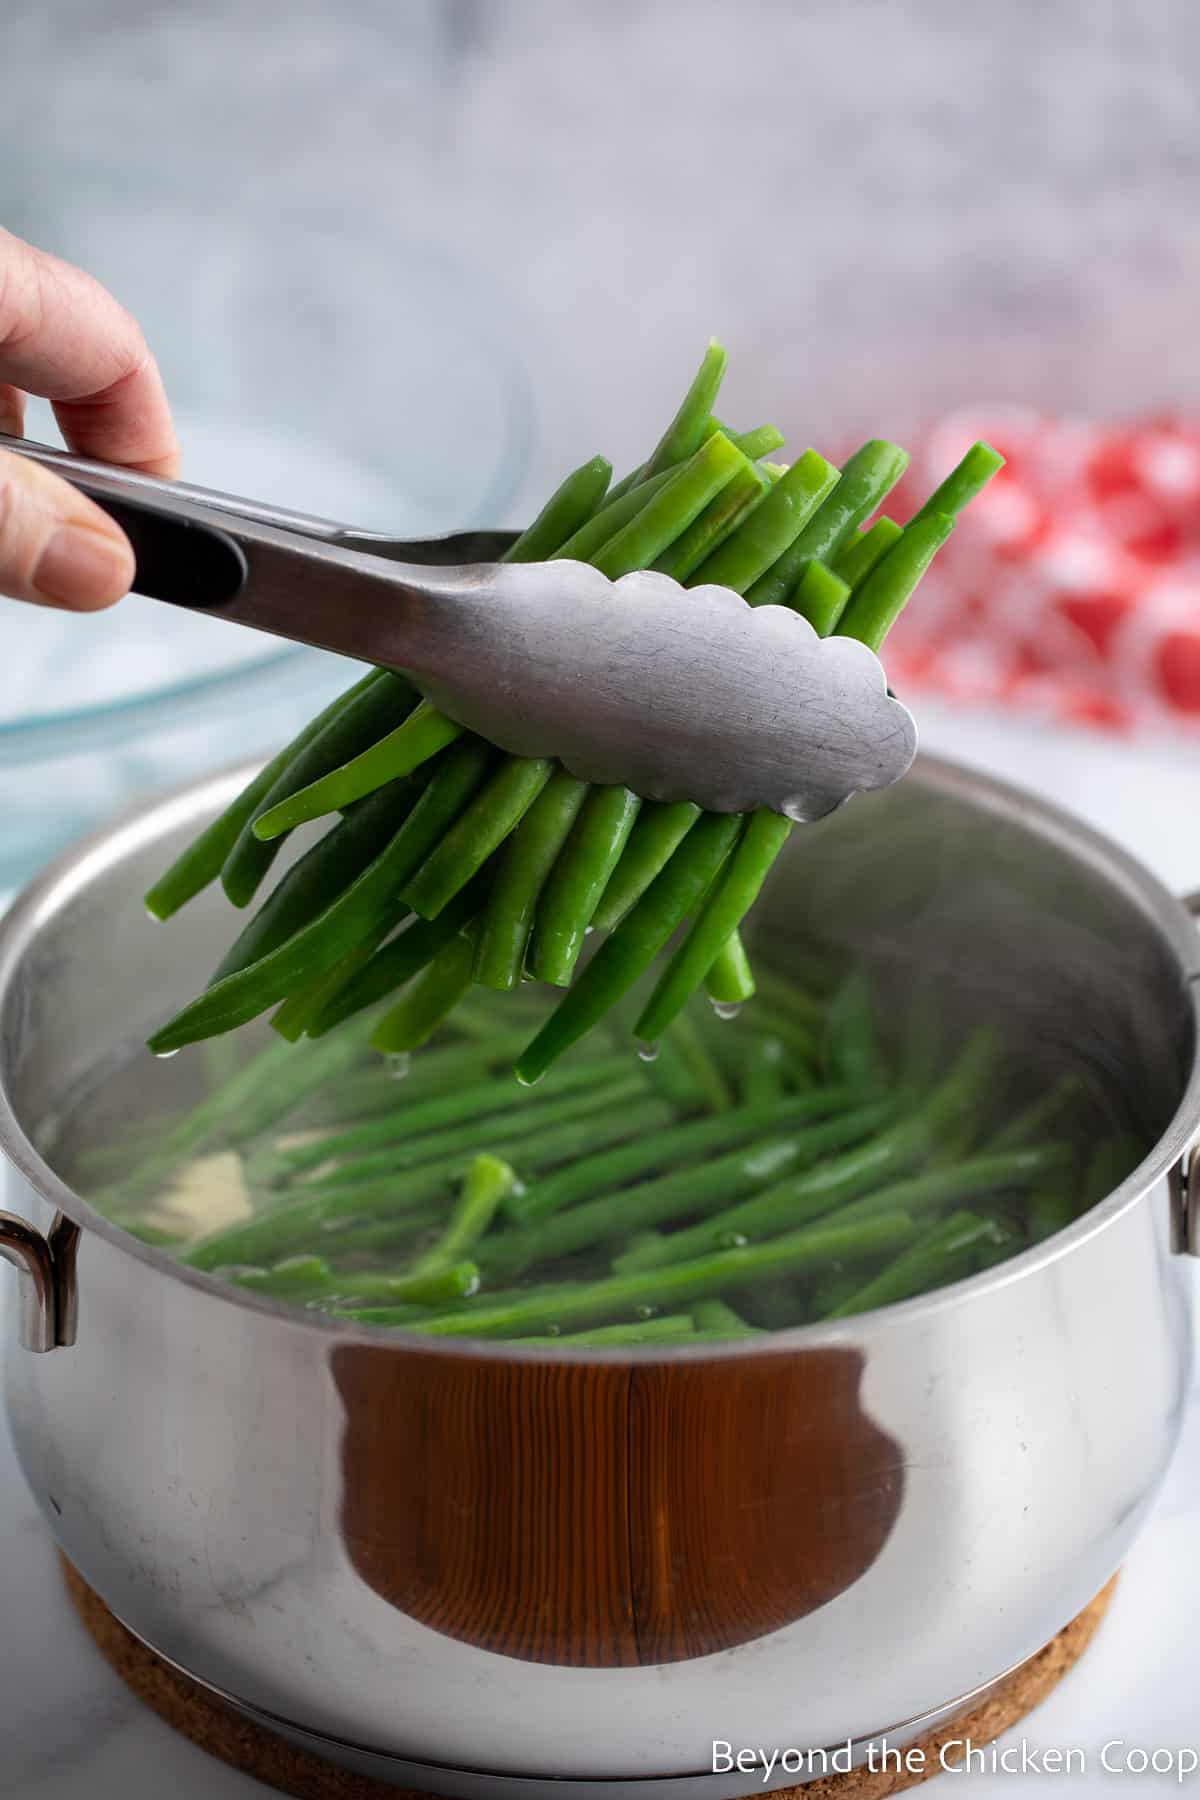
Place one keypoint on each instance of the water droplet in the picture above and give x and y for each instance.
(648, 1052)
(165, 1055)
(398, 1063)
(526, 1080)
(644, 1312)
(727, 1009)
(733, 1240)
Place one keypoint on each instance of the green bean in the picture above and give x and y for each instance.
(730, 979)
(866, 478)
(734, 894)
(692, 423)
(430, 996)
(487, 821)
(945, 1253)
(374, 705)
(475, 1101)
(527, 860)
(677, 1195)
(677, 503)
(416, 741)
(822, 598)
(624, 956)
(856, 561)
(756, 443)
(434, 1146)
(709, 530)
(962, 484)
(660, 829)
(448, 1281)
(205, 857)
(715, 1315)
(406, 955)
(877, 602)
(613, 1169)
(1040, 1114)
(577, 882)
(295, 1224)
(316, 879)
(292, 1276)
(678, 1282)
(487, 1182)
(803, 1195)
(709, 1080)
(200, 864)
(762, 537)
(612, 517)
(851, 1046)
(370, 898)
(989, 1173)
(764, 1071)
(304, 1004)
(665, 1329)
(570, 506)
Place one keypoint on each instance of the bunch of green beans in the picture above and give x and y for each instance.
(447, 865)
(764, 1171)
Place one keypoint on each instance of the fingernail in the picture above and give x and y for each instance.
(82, 568)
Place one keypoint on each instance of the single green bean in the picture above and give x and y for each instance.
(465, 847)
(877, 602)
(850, 1051)
(945, 1252)
(709, 530)
(665, 1329)
(369, 899)
(569, 507)
(730, 979)
(704, 1188)
(764, 1072)
(614, 1169)
(755, 443)
(673, 508)
(612, 517)
(660, 829)
(373, 706)
(527, 860)
(416, 741)
(678, 1282)
(766, 533)
(488, 1180)
(967, 479)
(856, 561)
(715, 1315)
(822, 598)
(866, 478)
(692, 422)
(578, 880)
(429, 997)
(625, 956)
(734, 894)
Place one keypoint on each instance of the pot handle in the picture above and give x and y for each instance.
(47, 1308)
(1185, 1177)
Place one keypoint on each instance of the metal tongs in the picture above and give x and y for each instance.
(679, 694)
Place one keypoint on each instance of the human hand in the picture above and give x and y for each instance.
(64, 337)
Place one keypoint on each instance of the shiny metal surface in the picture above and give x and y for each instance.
(678, 694)
(536, 1566)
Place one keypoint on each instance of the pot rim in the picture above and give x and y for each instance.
(71, 871)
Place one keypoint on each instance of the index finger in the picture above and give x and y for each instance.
(63, 336)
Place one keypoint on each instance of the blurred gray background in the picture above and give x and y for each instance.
(438, 233)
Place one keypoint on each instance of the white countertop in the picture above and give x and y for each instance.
(69, 1730)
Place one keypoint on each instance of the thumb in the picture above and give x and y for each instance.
(56, 547)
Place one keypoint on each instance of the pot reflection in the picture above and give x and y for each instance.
(610, 1514)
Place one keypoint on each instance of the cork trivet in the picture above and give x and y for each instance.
(257, 1752)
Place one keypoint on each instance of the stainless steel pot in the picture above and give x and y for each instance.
(488, 1570)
